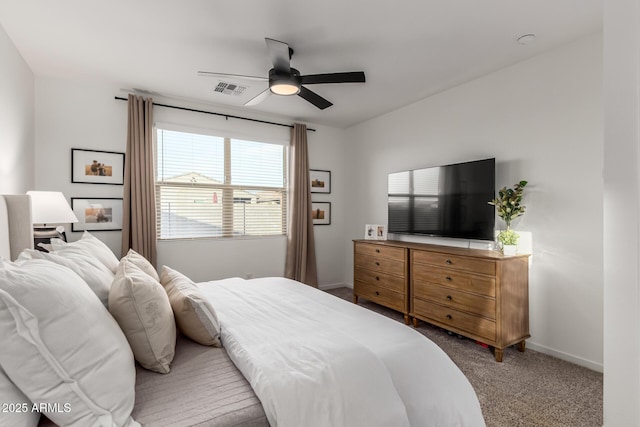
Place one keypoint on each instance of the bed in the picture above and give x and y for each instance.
(292, 356)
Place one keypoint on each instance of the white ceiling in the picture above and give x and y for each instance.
(408, 49)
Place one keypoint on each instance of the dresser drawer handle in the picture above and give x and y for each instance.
(448, 278)
(377, 263)
(377, 278)
(377, 293)
(378, 250)
(449, 317)
(448, 262)
(449, 297)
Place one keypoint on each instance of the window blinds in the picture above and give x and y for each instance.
(213, 186)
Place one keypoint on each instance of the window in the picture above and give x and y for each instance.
(214, 186)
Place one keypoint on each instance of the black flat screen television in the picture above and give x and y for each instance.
(444, 201)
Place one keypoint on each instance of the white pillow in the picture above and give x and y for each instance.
(142, 263)
(16, 409)
(92, 271)
(92, 245)
(60, 346)
(140, 305)
(194, 314)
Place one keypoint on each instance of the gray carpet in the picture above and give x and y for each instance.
(527, 389)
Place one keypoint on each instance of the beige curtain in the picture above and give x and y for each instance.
(139, 204)
(301, 254)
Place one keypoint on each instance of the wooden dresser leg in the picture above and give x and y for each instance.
(406, 319)
(521, 346)
(415, 322)
(355, 299)
(498, 353)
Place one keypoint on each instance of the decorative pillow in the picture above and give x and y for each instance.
(194, 314)
(142, 309)
(92, 245)
(17, 409)
(142, 263)
(92, 271)
(61, 347)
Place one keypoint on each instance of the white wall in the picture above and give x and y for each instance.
(326, 152)
(76, 114)
(621, 213)
(542, 121)
(16, 120)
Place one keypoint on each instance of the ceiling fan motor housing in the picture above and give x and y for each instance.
(284, 83)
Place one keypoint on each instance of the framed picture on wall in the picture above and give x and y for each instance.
(320, 181)
(97, 167)
(97, 214)
(321, 213)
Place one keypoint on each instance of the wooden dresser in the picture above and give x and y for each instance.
(381, 274)
(476, 293)
(479, 294)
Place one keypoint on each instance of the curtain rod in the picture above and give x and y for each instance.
(226, 116)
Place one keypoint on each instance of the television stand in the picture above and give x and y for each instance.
(479, 294)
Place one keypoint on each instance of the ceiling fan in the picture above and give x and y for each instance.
(285, 80)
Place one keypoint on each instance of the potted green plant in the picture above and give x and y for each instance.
(509, 206)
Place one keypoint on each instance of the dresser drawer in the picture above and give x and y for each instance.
(380, 251)
(380, 295)
(474, 265)
(482, 285)
(482, 306)
(389, 281)
(384, 265)
(447, 317)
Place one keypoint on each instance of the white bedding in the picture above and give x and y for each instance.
(316, 360)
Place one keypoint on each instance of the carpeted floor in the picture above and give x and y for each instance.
(527, 389)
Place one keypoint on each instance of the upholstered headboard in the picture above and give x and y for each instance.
(16, 230)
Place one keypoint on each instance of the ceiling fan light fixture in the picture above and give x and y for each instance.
(284, 84)
(285, 89)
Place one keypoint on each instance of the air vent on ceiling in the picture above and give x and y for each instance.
(229, 88)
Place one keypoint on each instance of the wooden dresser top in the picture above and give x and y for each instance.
(481, 253)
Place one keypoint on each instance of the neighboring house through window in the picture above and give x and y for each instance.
(217, 186)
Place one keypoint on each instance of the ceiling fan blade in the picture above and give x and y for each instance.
(314, 98)
(231, 76)
(279, 54)
(350, 77)
(258, 98)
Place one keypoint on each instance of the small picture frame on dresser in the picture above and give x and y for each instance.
(375, 232)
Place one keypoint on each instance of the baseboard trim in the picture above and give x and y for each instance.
(335, 285)
(598, 367)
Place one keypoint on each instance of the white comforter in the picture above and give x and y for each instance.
(317, 360)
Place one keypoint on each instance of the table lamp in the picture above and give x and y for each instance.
(49, 209)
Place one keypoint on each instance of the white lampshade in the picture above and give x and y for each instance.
(50, 207)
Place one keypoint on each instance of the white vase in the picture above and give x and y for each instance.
(509, 250)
